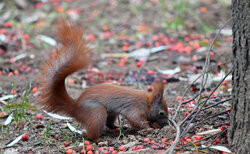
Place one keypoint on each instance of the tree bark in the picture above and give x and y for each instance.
(239, 130)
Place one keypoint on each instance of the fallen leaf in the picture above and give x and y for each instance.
(221, 148)
(15, 141)
(8, 120)
(213, 131)
(73, 129)
(57, 116)
(47, 40)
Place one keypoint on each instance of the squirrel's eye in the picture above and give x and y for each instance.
(161, 113)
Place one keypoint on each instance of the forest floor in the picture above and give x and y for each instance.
(27, 37)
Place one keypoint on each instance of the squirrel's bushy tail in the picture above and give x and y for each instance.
(72, 55)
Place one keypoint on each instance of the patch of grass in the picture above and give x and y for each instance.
(121, 125)
(19, 113)
(182, 7)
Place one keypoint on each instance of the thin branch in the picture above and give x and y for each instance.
(208, 107)
(177, 138)
(188, 87)
(195, 112)
(209, 117)
(221, 133)
(202, 105)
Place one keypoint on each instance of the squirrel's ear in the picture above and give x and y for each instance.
(158, 87)
(157, 98)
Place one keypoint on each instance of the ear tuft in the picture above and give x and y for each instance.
(158, 87)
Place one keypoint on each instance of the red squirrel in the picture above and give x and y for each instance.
(98, 105)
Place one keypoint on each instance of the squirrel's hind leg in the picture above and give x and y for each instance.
(96, 122)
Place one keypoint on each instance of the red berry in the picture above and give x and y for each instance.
(122, 148)
(66, 143)
(199, 137)
(139, 63)
(24, 137)
(86, 142)
(12, 60)
(164, 140)
(69, 151)
(184, 143)
(197, 143)
(152, 142)
(218, 140)
(111, 149)
(89, 148)
(211, 54)
(150, 72)
(133, 148)
(150, 88)
(192, 88)
(83, 151)
(7, 25)
(154, 146)
(89, 152)
(146, 140)
(57, 136)
(227, 123)
(39, 117)
(101, 148)
(140, 147)
(188, 140)
(186, 114)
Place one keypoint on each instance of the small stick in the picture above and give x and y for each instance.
(188, 87)
(209, 117)
(202, 105)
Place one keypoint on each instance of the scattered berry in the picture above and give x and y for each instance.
(69, 151)
(146, 140)
(150, 72)
(154, 147)
(66, 143)
(122, 148)
(39, 117)
(24, 137)
(199, 137)
(89, 148)
(12, 60)
(86, 142)
(57, 136)
(34, 90)
(186, 114)
(150, 88)
(71, 81)
(197, 143)
(217, 141)
(164, 140)
(89, 152)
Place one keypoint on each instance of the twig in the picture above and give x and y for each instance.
(221, 133)
(208, 107)
(177, 138)
(209, 117)
(202, 105)
(195, 112)
(188, 87)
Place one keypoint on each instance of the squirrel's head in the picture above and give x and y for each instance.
(158, 116)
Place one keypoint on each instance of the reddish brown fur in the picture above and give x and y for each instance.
(99, 105)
